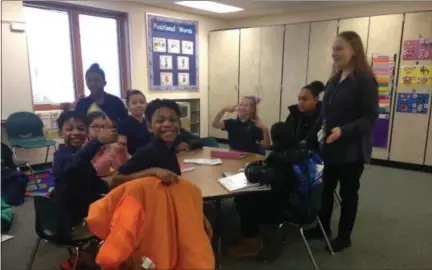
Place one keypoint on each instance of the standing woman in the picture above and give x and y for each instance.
(99, 100)
(350, 107)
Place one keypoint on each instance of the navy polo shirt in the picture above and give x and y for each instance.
(244, 136)
(112, 106)
(136, 132)
(155, 154)
(76, 182)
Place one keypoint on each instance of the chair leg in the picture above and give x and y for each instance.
(325, 236)
(46, 155)
(32, 175)
(77, 257)
(308, 249)
(33, 254)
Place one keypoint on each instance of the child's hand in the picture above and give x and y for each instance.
(167, 177)
(231, 108)
(183, 147)
(122, 140)
(107, 136)
(208, 228)
(260, 124)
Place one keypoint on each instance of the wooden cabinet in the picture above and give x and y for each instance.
(223, 74)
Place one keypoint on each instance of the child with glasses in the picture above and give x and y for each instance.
(110, 157)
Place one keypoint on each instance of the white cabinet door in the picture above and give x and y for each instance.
(249, 61)
(223, 74)
(295, 65)
(409, 133)
(271, 59)
(358, 25)
(321, 40)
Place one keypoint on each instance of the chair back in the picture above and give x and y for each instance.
(24, 126)
(51, 223)
(210, 142)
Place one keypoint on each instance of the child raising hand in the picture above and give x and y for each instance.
(246, 132)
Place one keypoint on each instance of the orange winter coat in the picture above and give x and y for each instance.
(146, 218)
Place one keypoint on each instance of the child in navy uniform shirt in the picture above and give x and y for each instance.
(245, 133)
(134, 127)
(76, 182)
(158, 158)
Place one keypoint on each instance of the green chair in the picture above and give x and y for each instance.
(52, 225)
(210, 142)
(25, 130)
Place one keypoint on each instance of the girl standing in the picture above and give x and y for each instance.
(134, 126)
(245, 133)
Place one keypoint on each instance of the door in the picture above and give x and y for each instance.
(408, 142)
(223, 74)
(320, 61)
(384, 38)
(296, 51)
(271, 58)
(250, 43)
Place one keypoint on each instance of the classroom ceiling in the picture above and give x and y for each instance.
(255, 8)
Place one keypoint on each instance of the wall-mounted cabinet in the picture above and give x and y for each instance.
(276, 62)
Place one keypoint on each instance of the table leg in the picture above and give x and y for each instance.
(217, 247)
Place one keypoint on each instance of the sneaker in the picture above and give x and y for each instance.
(248, 247)
(316, 233)
(339, 244)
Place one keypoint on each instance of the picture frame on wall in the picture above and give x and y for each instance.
(172, 49)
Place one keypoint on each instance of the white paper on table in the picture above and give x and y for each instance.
(5, 237)
(204, 161)
(239, 182)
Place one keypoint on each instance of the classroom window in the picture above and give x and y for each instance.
(63, 41)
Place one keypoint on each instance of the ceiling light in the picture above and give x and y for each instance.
(209, 6)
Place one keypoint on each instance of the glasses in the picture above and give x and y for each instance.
(96, 127)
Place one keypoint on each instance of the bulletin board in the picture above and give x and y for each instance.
(172, 46)
(383, 66)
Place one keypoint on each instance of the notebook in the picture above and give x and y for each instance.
(227, 154)
(203, 161)
(239, 182)
(186, 168)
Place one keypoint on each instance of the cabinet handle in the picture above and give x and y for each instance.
(236, 88)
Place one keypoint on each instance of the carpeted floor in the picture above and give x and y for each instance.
(393, 231)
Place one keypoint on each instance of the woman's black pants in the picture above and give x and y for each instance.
(348, 175)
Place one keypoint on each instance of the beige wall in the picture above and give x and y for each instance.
(12, 11)
(354, 10)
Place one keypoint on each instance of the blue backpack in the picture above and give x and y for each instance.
(305, 196)
(13, 185)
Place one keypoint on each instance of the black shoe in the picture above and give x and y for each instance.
(339, 244)
(316, 233)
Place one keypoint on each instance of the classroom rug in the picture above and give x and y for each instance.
(45, 182)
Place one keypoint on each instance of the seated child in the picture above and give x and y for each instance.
(159, 157)
(246, 132)
(110, 157)
(76, 183)
(146, 219)
(134, 126)
(187, 141)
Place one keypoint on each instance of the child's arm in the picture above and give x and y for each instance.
(217, 121)
(264, 136)
(166, 176)
(193, 141)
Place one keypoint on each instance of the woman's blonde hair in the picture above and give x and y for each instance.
(358, 60)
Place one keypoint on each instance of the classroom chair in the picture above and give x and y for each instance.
(210, 142)
(25, 130)
(52, 225)
(300, 222)
(9, 160)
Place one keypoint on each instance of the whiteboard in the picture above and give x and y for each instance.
(16, 94)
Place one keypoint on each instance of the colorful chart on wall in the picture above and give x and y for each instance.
(417, 49)
(412, 103)
(172, 46)
(419, 74)
(383, 65)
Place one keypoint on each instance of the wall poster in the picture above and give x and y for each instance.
(172, 47)
(383, 65)
(416, 74)
(417, 49)
(412, 103)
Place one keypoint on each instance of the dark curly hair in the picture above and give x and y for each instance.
(74, 114)
(160, 103)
